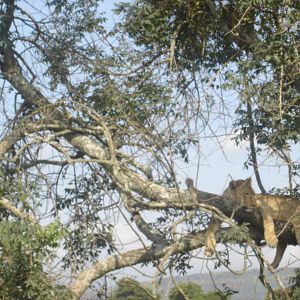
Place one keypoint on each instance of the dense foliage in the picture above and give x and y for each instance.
(130, 289)
(193, 291)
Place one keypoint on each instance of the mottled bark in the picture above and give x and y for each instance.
(5, 203)
(130, 258)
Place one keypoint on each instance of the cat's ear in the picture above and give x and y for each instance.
(189, 182)
(249, 181)
(232, 185)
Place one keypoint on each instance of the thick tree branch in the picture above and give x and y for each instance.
(84, 279)
(17, 212)
(151, 233)
(133, 257)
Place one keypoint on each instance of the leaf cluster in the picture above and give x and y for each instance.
(130, 289)
(194, 291)
(23, 251)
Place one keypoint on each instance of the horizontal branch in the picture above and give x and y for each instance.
(17, 211)
(84, 279)
(130, 258)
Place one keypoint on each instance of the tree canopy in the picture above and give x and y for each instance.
(193, 291)
(130, 289)
(102, 110)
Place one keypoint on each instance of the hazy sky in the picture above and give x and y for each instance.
(214, 173)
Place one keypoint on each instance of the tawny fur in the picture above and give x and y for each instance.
(278, 208)
(272, 208)
(210, 239)
(238, 191)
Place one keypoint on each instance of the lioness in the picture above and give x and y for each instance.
(213, 226)
(272, 207)
(239, 191)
